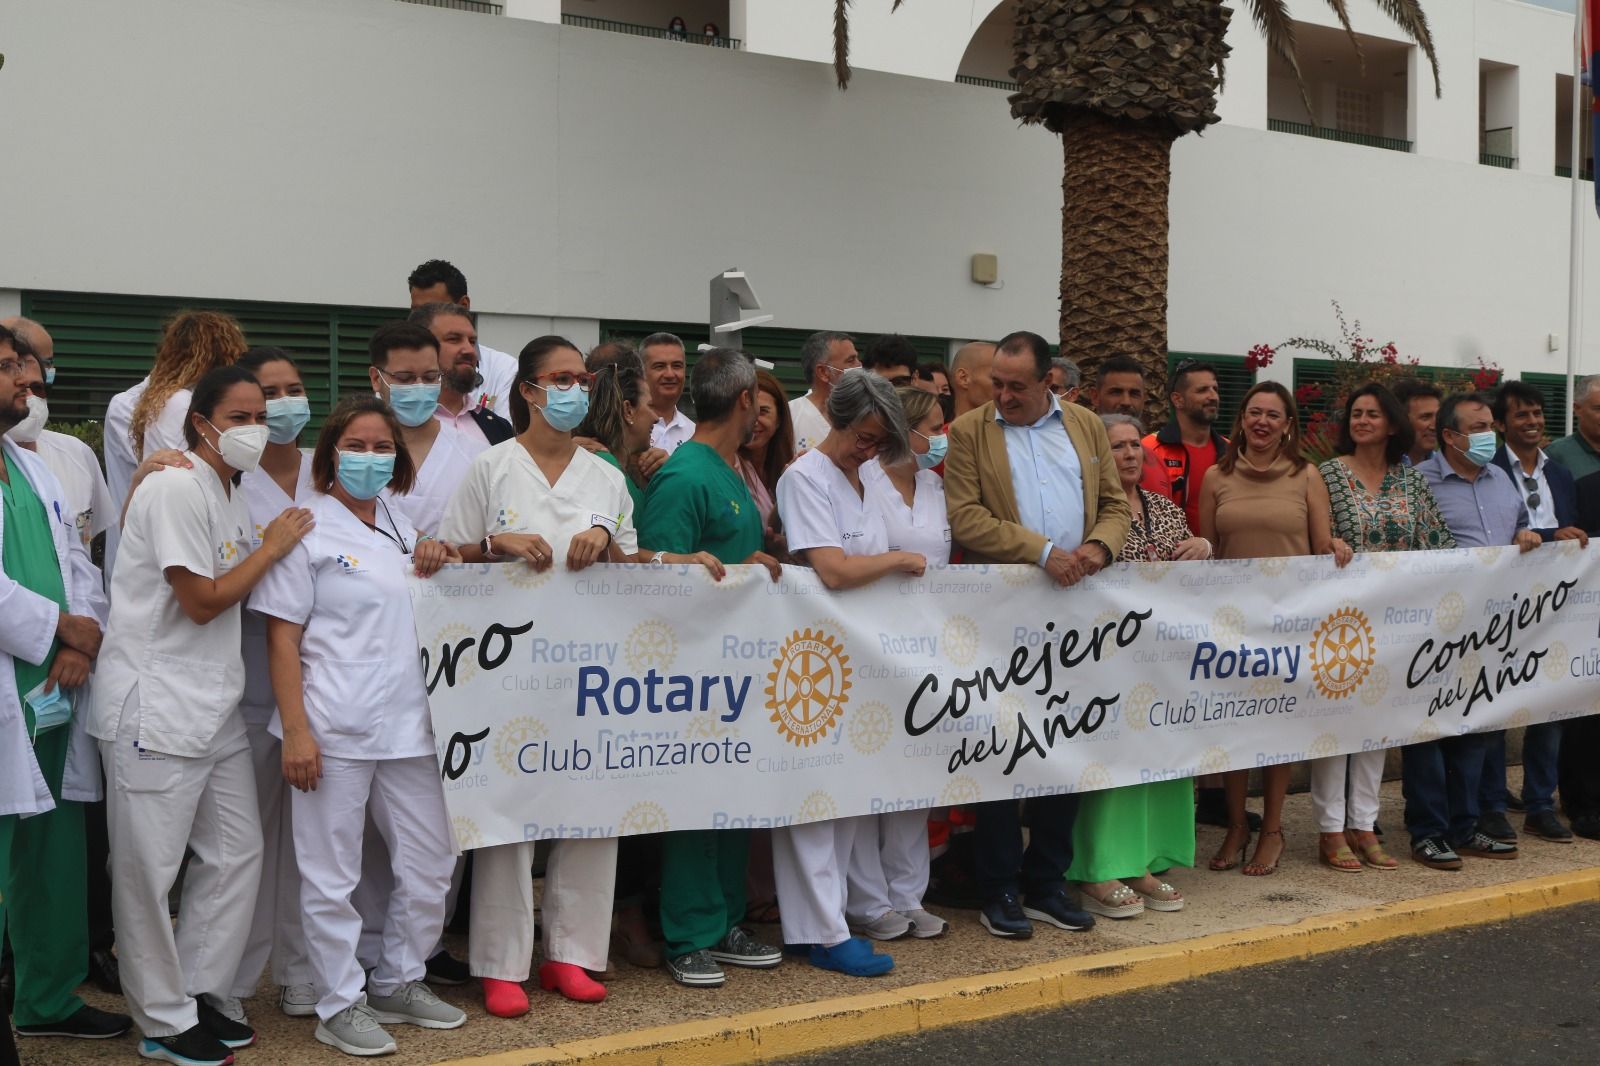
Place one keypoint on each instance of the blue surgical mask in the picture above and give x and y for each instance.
(286, 417)
(50, 375)
(50, 709)
(938, 445)
(413, 404)
(1480, 447)
(365, 474)
(564, 409)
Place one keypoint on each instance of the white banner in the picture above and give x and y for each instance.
(635, 699)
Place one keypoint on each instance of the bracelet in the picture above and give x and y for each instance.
(658, 559)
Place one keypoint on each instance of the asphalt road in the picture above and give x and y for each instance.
(1522, 993)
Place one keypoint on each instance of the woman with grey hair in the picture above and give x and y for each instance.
(833, 529)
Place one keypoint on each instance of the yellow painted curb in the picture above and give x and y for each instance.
(780, 1032)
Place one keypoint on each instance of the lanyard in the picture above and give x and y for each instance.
(398, 540)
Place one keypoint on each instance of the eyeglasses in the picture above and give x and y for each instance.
(37, 388)
(1185, 364)
(11, 367)
(563, 381)
(431, 377)
(1531, 487)
(1062, 390)
(867, 442)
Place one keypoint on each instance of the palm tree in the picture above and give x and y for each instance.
(1119, 81)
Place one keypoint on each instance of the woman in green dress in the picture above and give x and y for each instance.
(1378, 506)
(1121, 834)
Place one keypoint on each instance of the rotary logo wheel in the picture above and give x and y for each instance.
(959, 639)
(510, 738)
(1342, 652)
(643, 817)
(959, 790)
(650, 644)
(809, 686)
(466, 833)
(870, 727)
(1452, 609)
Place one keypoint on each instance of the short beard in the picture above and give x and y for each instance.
(462, 381)
(1202, 416)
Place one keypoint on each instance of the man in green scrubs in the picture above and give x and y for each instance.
(698, 502)
(42, 878)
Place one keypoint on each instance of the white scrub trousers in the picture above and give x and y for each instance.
(1338, 808)
(406, 802)
(810, 864)
(579, 882)
(275, 930)
(156, 807)
(888, 865)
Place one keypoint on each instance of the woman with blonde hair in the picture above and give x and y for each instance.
(193, 343)
(1262, 500)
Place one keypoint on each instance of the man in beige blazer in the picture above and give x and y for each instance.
(1029, 481)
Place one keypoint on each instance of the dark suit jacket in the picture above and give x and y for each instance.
(1563, 489)
(494, 427)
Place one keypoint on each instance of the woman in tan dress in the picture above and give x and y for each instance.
(1263, 500)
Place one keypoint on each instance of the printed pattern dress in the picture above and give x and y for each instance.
(1401, 516)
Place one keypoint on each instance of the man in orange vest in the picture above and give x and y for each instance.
(1189, 445)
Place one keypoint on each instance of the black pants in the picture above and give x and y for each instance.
(1003, 865)
(101, 935)
(1580, 767)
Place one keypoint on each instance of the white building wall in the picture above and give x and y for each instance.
(316, 150)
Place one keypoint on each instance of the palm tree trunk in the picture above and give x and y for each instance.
(1114, 242)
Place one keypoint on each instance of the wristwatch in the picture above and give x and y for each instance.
(658, 558)
(1103, 546)
(487, 549)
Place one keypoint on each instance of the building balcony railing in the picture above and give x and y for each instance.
(1305, 129)
(635, 30)
(1566, 172)
(481, 6)
(1489, 159)
(988, 83)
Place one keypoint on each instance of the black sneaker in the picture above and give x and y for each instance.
(1514, 803)
(697, 969)
(104, 972)
(86, 1023)
(1484, 846)
(445, 969)
(1435, 854)
(192, 1047)
(228, 1032)
(1587, 826)
(1546, 826)
(739, 948)
(1004, 917)
(1493, 825)
(1057, 909)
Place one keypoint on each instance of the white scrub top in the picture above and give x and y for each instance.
(924, 527)
(447, 463)
(810, 424)
(668, 435)
(190, 677)
(499, 372)
(121, 463)
(506, 492)
(74, 464)
(166, 428)
(820, 509)
(346, 584)
(266, 501)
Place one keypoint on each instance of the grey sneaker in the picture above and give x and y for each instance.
(355, 1031)
(925, 926)
(890, 925)
(739, 948)
(229, 1007)
(697, 968)
(298, 1001)
(415, 1004)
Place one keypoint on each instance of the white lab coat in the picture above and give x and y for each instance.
(29, 629)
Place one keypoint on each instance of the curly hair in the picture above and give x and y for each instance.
(193, 343)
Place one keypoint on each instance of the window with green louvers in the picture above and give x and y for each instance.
(780, 347)
(1233, 381)
(1553, 387)
(105, 343)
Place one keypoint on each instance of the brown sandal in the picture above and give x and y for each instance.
(1223, 860)
(1256, 869)
(1372, 854)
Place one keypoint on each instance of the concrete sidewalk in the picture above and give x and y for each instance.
(968, 973)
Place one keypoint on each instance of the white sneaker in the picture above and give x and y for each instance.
(415, 1004)
(890, 925)
(229, 1007)
(355, 1031)
(925, 926)
(298, 1001)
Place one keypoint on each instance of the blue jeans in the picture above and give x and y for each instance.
(1442, 781)
(1541, 755)
(997, 842)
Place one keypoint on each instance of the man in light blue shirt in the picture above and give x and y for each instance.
(1046, 476)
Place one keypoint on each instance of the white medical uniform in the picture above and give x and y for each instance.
(441, 473)
(164, 431)
(810, 424)
(367, 705)
(166, 711)
(499, 372)
(28, 632)
(506, 492)
(667, 434)
(889, 863)
(275, 931)
(83, 486)
(820, 509)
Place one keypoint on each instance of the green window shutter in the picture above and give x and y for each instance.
(1233, 381)
(780, 347)
(105, 343)
(1321, 372)
(1553, 388)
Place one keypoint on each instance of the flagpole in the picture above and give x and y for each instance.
(1575, 238)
